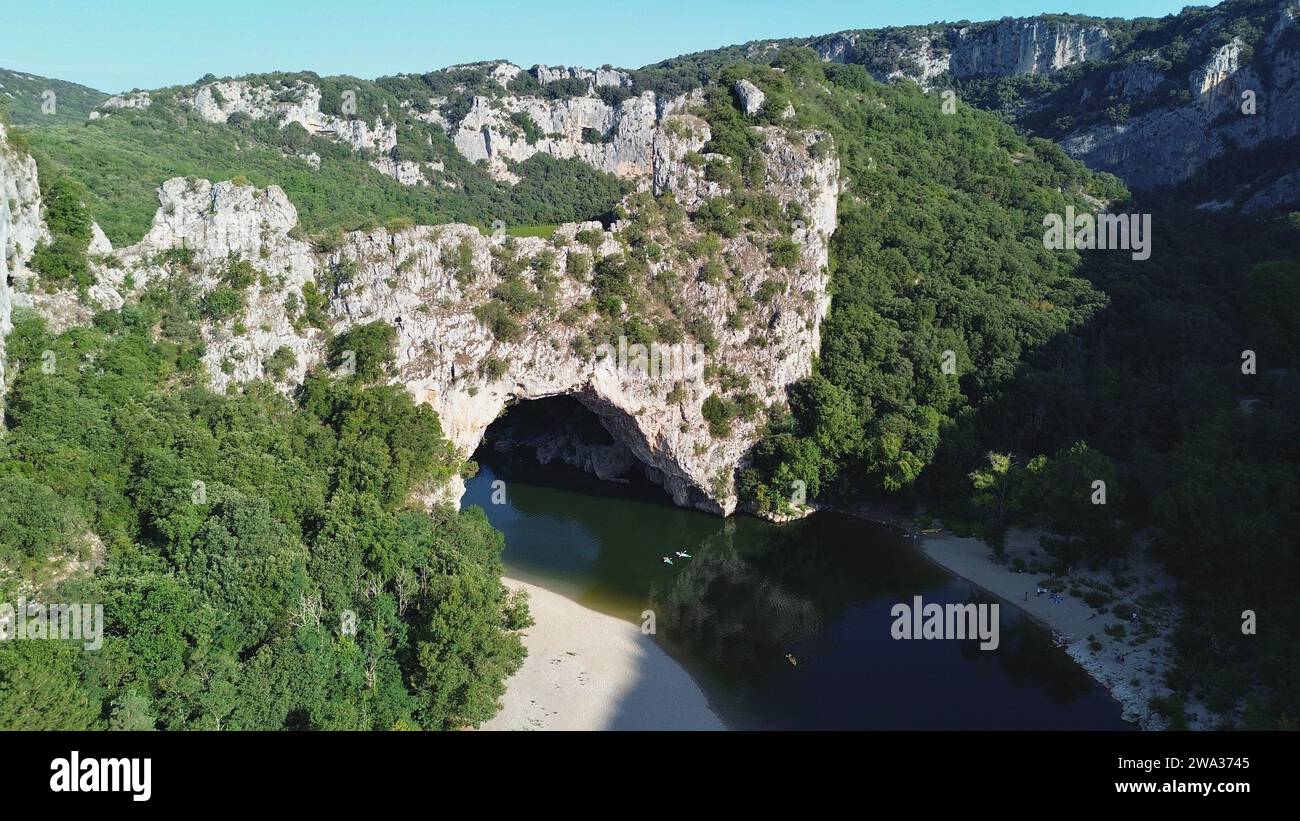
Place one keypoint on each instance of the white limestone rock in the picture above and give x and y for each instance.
(134, 99)
(20, 199)
(404, 171)
(99, 243)
(1167, 146)
(751, 97)
(299, 103)
(442, 346)
(504, 72)
(1004, 48)
(599, 78)
(616, 139)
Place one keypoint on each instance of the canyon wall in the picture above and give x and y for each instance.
(431, 282)
(1231, 108)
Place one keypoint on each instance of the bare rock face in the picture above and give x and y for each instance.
(219, 224)
(1135, 80)
(618, 139)
(430, 282)
(1230, 108)
(600, 78)
(758, 317)
(1003, 48)
(20, 197)
(99, 242)
(135, 99)
(751, 97)
(300, 103)
(21, 228)
(1018, 47)
(1283, 191)
(443, 347)
(404, 171)
(504, 72)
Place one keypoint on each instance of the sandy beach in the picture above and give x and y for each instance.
(1130, 660)
(589, 671)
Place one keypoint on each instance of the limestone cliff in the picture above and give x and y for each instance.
(21, 228)
(1153, 102)
(761, 319)
(617, 137)
(298, 103)
(1230, 107)
(1007, 48)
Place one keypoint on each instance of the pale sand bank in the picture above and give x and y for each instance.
(1146, 652)
(589, 671)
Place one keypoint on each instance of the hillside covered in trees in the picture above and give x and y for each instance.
(259, 561)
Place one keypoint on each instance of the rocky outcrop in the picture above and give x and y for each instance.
(750, 97)
(296, 103)
(20, 196)
(219, 223)
(1230, 108)
(1029, 46)
(136, 99)
(1019, 47)
(504, 72)
(560, 432)
(99, 242)
(1135, 81)
(21, 228)
(428, 281)
(1283, 191)
(1237, 96)
(404, 171)
(618, 139)
(600, 78)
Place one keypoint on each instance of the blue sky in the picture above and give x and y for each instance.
(116, 45)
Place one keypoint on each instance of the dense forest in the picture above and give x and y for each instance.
(259, 560)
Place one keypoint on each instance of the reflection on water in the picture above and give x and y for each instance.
(753, 594)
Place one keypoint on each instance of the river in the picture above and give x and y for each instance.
(783, 626)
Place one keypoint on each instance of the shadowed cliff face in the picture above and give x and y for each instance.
(1232, 106)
